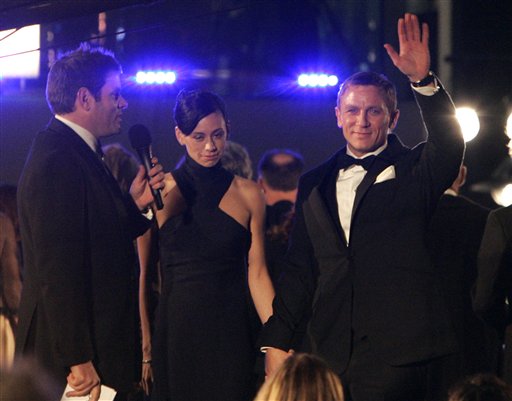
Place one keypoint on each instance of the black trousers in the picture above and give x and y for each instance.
(369, 378)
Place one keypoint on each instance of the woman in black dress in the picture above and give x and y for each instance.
(211, 257)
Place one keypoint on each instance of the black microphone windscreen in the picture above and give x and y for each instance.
(139, 136)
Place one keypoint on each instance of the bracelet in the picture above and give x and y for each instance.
(146, 361)
(425, 81)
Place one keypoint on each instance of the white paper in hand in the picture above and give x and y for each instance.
(107, 394)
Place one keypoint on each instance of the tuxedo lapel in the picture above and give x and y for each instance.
(376, 168)
(385, 159)
(323, 232)
(326, 191)
(315, 208)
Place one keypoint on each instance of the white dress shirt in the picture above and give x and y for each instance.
(346, 185)
(87, 137)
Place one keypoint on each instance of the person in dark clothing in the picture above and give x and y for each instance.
(493, 287)
(358, 256)
(454, 237)
(78, 310)
(278, 175)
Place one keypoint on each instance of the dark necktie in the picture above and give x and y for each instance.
(345, 160)
(99, 151)
(101, 156)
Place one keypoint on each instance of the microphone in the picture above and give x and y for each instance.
(140, 139)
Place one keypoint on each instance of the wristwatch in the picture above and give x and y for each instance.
(430, 78)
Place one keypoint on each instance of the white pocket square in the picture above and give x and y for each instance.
(386, 174)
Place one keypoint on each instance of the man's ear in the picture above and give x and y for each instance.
(393, 121)
(338, 119)
(179, 136)
(83, 99)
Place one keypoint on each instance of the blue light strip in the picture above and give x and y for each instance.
(317, 80)
(159, 77)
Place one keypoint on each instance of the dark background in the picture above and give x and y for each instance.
(251, 52)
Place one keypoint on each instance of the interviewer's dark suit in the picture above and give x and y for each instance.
(383, 285)
(493, 288)
(79, 294)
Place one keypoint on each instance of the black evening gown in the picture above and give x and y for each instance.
(202, 348)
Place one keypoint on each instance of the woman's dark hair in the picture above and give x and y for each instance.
(192, 106)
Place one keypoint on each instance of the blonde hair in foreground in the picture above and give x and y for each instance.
(302, 377)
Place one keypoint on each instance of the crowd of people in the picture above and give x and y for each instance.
(367, 278)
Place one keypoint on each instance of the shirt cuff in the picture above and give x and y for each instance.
(148, 214)
(428, 90)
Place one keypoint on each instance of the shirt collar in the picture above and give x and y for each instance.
(86, 135)
(375, 152)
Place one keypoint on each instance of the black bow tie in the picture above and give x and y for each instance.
(345, 161)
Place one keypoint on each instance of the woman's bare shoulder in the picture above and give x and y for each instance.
(245, 184)
(248, 189)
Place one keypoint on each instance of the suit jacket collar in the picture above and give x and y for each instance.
(86, 152)
(63, 129)
(82, 132)
(329, 174)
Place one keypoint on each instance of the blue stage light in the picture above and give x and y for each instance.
(317, 80)
(155, 77)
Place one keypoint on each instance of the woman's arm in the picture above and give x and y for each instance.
(144, 251)
(260, 285)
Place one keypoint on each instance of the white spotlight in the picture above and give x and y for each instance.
(509, 126)
(469, 122)
(502, 195)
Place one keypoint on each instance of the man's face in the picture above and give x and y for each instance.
(205, 145)
(106, 112)
(365, 119)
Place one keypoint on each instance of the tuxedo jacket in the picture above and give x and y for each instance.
(493, 288)
(494, 282)
(455, 235)
(79, 299)
(383, 284)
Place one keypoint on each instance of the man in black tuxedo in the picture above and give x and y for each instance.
(454, 237)
(493, 288)
(78, 313)
(358, 255)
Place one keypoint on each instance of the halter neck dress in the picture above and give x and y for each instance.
(202, 347)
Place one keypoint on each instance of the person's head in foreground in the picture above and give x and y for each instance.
(302, 377)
